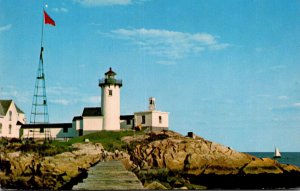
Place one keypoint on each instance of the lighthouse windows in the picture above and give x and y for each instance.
(110, 92)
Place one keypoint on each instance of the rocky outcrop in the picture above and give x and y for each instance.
(30, 171)
(197, 157)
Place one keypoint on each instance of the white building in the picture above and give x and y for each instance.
(48, 131)
(110, 101)
(90, 121)
(152, 119)
(11, 119)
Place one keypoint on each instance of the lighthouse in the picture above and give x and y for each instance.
(110, 100)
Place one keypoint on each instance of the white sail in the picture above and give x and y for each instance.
(277, 153)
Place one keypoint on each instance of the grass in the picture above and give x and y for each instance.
(46, 149)
(111, 140)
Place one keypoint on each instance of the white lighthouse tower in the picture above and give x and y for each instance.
(110, 101)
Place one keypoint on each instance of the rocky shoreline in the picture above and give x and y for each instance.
(31, 171)
(161, 160)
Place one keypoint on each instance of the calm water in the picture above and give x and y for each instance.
(286, 157)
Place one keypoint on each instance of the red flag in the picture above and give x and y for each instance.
(48, 20)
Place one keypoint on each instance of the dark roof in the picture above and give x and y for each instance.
(110, 72)
(19, 110)
(91, 111)
(125, 117)
(4, 105)
(46, 125)
(77, 118)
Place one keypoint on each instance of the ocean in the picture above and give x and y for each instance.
(286, 157)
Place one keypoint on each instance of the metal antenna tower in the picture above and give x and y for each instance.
(39, 109)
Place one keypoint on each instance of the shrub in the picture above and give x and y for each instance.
(3, 142)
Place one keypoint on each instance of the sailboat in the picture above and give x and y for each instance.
(277, 153)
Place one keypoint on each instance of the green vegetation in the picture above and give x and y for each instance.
(45, 149)
(30, 146)
(111, 140)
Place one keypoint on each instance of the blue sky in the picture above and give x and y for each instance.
(226, 70)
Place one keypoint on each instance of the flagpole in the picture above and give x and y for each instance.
(43, 23)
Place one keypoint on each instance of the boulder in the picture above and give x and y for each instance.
(155, 186)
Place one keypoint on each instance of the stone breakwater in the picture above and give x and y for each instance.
(203, 162)
(30, 171)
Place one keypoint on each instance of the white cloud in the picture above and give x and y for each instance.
(259, 49)
(283, 97)
(5, 28)
(96, 3)
(82, 66)
(60, 101)
(219, 46)
(166, 62)
(61, 90)
(169, 44)
(274, 68)
(297, 105)
(278, 67)
(91, 100)
(60, 9)
(14, 93)
(69, 95)
(95, 24)
(294, 107)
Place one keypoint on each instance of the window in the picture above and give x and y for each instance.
(9, 129)
(143, 119)
(110, 92)
(159, 119)
(42, 130)
(0, 128)
(65, 130)
(10, 115)
(128, 122)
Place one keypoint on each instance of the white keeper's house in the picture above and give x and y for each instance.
(11, 119)
(106, 116)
